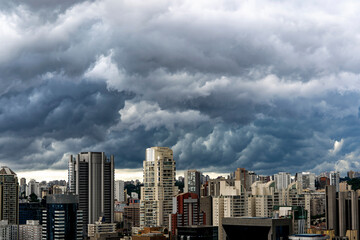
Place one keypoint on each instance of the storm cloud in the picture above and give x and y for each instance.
(266, 85)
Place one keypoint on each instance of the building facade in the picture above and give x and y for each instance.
(91, 177)
(119, 191)
(9, 196)
(241, 174)
(131, 216)
(100, 230)
(32, 230)
(8, 231)
(334, 178)
(282, 180)
(186, 212)
(192, 182)
(342, 211)
(306, 180)
(30, 211)
(62, 218)
(159, 187)
(33, 187)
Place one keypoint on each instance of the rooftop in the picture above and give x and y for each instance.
(6, 171)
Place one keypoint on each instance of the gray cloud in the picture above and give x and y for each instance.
(270, 86)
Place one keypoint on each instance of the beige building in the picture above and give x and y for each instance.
(232, 202)
(159, 187)
(344, 187)
(30, 231)
(263, 199)
(294, 195)
(100, 230)
(246, 177)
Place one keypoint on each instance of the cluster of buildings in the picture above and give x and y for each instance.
(81, 209)
(243, 205)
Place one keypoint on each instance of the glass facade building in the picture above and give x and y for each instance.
(30, 211)
(62, 219)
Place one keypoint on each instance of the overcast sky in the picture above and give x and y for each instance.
(268, 85)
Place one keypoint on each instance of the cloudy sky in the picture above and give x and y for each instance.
(268, 85)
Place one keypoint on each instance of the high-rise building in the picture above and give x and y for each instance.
(246, 177)
(91, 177)
(306, 180)
(241, 174)
(231, 202)
(22, 181)
(213, 186)
(263, 199)
(335, 179)
(30, 211)
(351, 174)
(159, 187)
(263, 178)
(131, 216)
(322, 182)
(342, 212)
(9, 196)
(206, 207)
(186, 212)
(192, 182)
(22, 187)
(282, 180)
(119, 191)
(62, 218)
(33, 187)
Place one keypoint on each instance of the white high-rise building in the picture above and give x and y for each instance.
(159, 187)
(282, 180)
(119, 191)
(33, 187)
(232, 202)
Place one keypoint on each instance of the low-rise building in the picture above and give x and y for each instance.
(197, 232)
(101, 228)
(255, 228)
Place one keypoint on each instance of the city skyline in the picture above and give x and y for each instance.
(262, 85)
(137, 174)
(86, 205)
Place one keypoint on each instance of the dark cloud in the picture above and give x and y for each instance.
(47, 10)
(270, 86)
